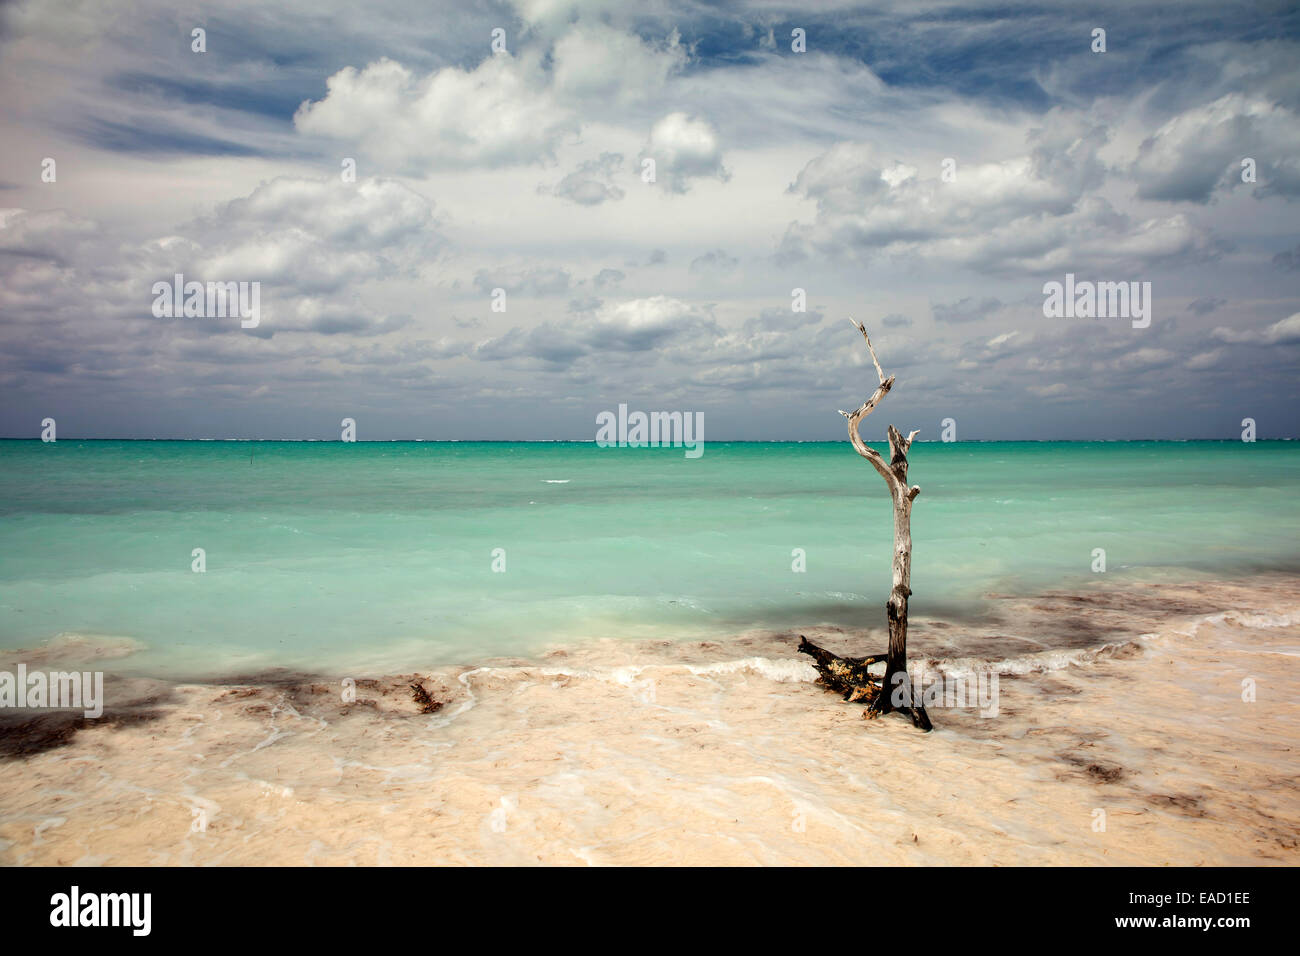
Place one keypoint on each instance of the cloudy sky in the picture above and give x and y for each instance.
(524, 169)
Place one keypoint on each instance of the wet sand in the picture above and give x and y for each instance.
(1122, 737)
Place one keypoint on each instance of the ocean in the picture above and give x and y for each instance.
(377, 557)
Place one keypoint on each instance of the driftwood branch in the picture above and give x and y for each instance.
(850, 675)
(866, 408)
(845, 675)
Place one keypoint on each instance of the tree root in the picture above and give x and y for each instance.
(850, 677)
(844, 675)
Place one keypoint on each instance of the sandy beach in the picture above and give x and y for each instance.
(1128, 742)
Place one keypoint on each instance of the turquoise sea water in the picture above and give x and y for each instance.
(374, 556)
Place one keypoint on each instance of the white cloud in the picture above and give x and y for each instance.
(630, 326)
(368, 213)
(638, 324)
(501, 113)
(511, 109)
(684, 148)
(1283, 332)
(600, 63)
(1200, 151)
(308, 236)
(552, 13)
(1204, 360)
(1029, 213)
(41, 232)
(1143, 358)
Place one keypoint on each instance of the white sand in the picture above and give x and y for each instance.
(710, 754)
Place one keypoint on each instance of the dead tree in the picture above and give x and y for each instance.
(851, 675)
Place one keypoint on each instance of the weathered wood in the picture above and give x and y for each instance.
(849, 676)
(422, 699)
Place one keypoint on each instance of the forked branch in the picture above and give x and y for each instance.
(862, 411)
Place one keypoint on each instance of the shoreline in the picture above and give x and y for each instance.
(711, 752)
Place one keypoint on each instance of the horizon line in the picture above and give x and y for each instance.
(592, 441)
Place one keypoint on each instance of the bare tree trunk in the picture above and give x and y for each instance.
(851, 676)
(897, 682)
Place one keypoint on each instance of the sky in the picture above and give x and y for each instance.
(449, 212)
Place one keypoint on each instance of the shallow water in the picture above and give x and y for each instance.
(378, 557)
